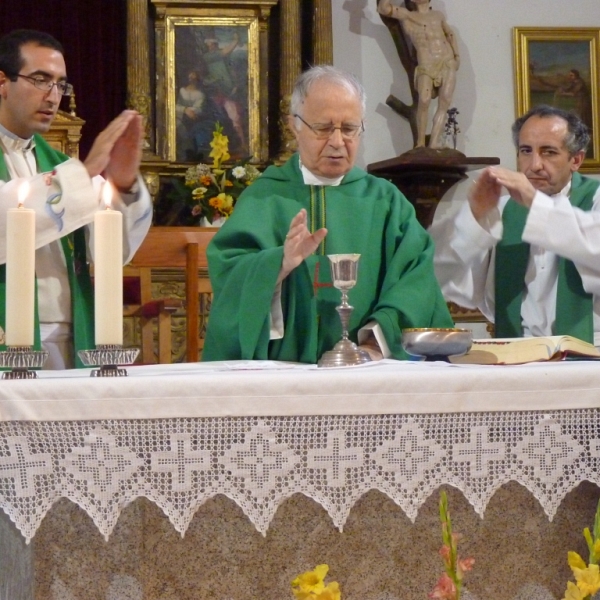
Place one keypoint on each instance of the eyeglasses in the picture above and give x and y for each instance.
(324, 131)
(46, 84)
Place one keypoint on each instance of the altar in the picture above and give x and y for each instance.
(226, 480)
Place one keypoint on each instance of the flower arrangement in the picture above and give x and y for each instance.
(587, 576)
(449, 584)
(212, 191)
(311, 585)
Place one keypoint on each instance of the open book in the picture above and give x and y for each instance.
(514, 351)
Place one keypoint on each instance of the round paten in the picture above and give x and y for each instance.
(436, 342)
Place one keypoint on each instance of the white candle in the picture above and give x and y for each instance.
(108, 273)
(20, 272)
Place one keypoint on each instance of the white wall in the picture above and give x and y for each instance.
(485, 92)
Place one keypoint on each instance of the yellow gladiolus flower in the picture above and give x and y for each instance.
(586, 576)
(220, 148)
(573, 592)
(575, 561)
(588, 579)
(311, 581)
(331, 592)
(302, 595)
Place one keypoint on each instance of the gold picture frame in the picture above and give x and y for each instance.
(230, 86)
(209, 73)
(559, 66)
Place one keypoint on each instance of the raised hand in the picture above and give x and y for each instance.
(484, 194)
(517, 184)
(117, 150)
(299, 244)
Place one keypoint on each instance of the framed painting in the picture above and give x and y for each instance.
(559, 67)
(211, 80)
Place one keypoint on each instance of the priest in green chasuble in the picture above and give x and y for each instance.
(273, 294)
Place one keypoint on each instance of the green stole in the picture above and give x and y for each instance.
(574, 306)
(74, 248)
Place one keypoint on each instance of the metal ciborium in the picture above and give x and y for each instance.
(344, 271)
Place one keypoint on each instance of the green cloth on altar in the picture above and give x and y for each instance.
(365, 215)
(574, 306)
(74, 248)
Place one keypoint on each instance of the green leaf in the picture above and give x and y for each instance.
(597, 522)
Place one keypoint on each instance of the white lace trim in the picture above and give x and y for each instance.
(259, 462)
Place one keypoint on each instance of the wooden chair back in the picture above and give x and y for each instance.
(180, 248)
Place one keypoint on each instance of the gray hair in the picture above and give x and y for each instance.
(578, 135)
(325, 73)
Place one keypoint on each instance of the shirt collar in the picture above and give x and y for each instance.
(566, 191)
(13, 143)
(311, 179)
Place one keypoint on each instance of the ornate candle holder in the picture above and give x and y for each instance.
(20, 359)
(109, 358)
(344, 270)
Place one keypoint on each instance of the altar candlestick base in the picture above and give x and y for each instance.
(20, 360)
(109, 358)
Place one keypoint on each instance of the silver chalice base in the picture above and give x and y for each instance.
(344, 271)
(108, 358)
(345, 353)
(20, 359)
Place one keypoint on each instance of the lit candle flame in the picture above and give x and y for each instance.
(22, 193)
(107, 194)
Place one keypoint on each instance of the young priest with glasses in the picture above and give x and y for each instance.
(64, 192)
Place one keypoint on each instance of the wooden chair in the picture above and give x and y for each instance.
(170, 248)
(138, 302)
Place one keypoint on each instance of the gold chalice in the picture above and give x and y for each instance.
(344, 270)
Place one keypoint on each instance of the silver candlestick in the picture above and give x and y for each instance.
(20, 360)
(108, 358)
(344, 271)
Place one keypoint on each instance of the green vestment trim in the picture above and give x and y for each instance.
(74, 248)
(574, 306)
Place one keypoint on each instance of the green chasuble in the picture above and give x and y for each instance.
(74, 248)
(365, 215)
(574, 306)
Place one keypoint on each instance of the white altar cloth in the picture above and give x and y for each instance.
(263, 388)
(260, 432)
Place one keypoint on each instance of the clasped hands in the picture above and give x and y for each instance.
(117, 150)
(486, 190)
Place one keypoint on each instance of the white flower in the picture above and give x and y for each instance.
(238, 172)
